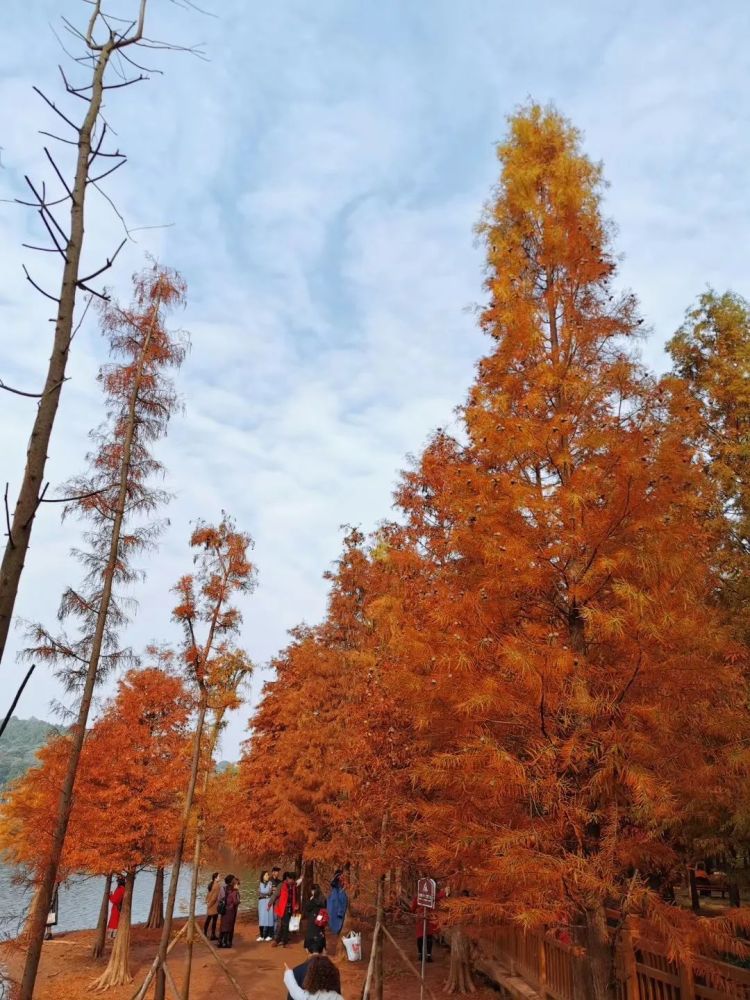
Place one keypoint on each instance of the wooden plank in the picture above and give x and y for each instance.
(237, 988)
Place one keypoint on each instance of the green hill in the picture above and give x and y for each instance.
(18, 746)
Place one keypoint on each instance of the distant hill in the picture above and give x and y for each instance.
(19, 744)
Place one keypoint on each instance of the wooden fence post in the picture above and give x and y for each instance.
(695, 900)
(542, 966)
(687, 982)
(629, 964)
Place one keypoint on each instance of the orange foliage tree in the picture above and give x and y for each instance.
(116, 498)
(127, 804)
(542, 630)
(214, 667)
(574, 612)
(711, 351)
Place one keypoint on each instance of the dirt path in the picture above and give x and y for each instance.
(67, 968)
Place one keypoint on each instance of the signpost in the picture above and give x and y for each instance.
(426, 894)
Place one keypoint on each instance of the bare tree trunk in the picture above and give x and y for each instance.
(460, 979)
(600, 955)
(380, 920)
(117, 972)
(36, 456)
(156, 912)
(308, 877)
(101, 926)
(43, 896)
(377, 943)
(215, 729)
(187, 808)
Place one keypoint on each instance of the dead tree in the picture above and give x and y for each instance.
(106, 42)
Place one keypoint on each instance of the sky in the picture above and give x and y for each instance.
(316, 179)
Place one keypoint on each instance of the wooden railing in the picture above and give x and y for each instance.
(557, 970)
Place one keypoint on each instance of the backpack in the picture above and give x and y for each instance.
(322, 919)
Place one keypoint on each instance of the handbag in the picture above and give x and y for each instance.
(322, 919)
(294, 922)
(221, 906)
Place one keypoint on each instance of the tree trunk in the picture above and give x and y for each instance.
(36, 454)
(460, 979)
(695, 900)
(187, 808)
(46, 888)
(101, 925)
(213, 738)
(117, 972)
(156, 913)
(377, 944)
(308, 877)
(600, 955)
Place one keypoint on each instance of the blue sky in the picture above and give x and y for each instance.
(321, 175)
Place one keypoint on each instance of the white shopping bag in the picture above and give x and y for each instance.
(353, 945)
(294, 922)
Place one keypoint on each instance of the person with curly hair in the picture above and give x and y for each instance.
(322, 981)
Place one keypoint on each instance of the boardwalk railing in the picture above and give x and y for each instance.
(557, 970)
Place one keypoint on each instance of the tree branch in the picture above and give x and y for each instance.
(105, 267)
(57, 110)
(47, 295)
(81, 496)
(93, 180)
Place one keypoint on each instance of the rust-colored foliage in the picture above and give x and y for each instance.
(128, 792)
(529, 684)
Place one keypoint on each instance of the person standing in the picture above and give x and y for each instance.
(276, 881)
(286, 903)
(316, 920)
(265, 909)
(212, 906)
(116, 899)
(338, 902)
(229, 904)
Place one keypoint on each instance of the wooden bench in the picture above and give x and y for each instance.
(707, 886)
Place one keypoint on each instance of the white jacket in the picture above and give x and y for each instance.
(297, 993)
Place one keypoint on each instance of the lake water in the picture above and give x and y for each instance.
(80, 898)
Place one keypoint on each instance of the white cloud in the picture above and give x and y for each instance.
(323, 173)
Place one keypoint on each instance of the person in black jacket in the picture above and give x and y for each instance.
(315, 934)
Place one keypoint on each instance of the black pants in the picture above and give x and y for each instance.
(282, 929)
(429, 946)
(211, 922)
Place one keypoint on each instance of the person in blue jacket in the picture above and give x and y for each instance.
(338, 902)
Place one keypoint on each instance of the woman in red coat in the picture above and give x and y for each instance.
(116, 899)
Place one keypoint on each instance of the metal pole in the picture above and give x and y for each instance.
(424, 952)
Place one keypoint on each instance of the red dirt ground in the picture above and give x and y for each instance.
(67, 968)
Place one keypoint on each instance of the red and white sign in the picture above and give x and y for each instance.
(426, 893)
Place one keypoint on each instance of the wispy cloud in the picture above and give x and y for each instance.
(323, 173)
